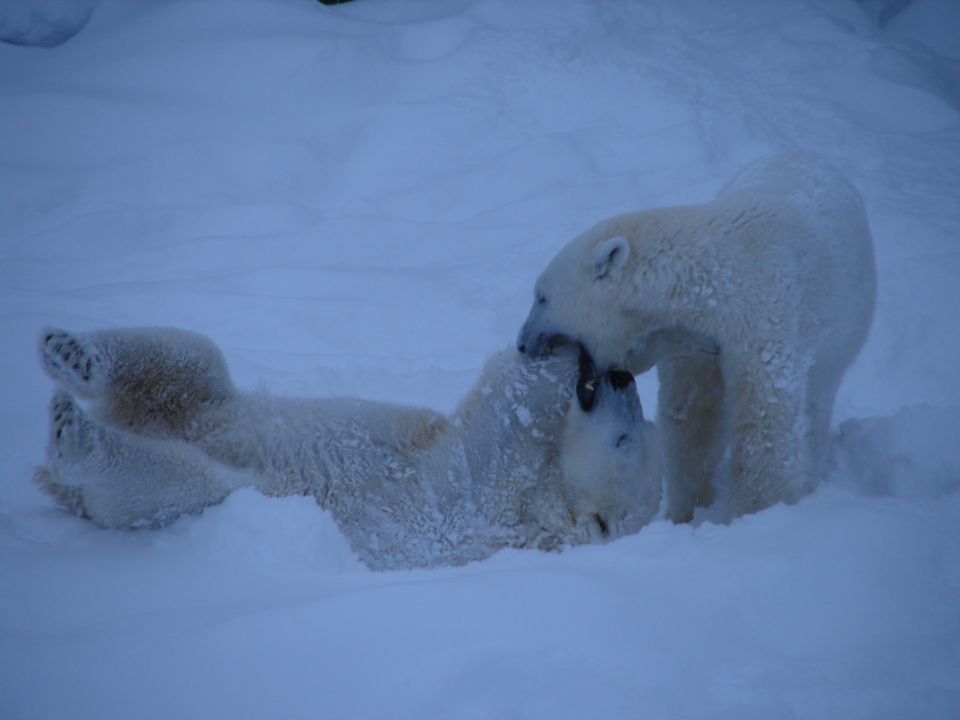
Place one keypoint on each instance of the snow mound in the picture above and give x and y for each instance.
(289, 534)
(914, 453)
(934, 24)
(43, 23)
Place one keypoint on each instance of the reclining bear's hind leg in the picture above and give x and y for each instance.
(74, 454)
(69, 441)
(157, 381)
(119, 479)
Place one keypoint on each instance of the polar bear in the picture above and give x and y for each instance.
(751, 306)
(521, 463)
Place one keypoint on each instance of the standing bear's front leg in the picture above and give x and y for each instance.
(769, 462)
(154, 381)
(691, 420)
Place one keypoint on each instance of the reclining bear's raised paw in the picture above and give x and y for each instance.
(72, 361)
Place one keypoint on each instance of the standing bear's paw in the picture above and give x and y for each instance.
(73, 361)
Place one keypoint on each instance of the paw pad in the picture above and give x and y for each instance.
(69, 359)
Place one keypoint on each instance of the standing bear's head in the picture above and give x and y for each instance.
(614, 291)
(583, 297)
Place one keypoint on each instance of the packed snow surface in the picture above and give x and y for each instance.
(356, 200)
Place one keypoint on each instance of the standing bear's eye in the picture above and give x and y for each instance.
(541, 300)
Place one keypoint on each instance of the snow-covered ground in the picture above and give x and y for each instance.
(356, 200)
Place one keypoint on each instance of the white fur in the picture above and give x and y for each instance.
(517, 465)
(751, 306)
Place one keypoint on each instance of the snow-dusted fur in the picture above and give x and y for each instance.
(519, 464)
(751, 307)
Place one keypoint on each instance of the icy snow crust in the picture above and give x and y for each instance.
(356, 201)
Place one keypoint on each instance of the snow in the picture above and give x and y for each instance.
(356, 200)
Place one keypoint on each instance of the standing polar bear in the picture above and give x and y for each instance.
(521, 463)
(751, 306)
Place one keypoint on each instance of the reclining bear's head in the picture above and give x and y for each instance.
(610, 456)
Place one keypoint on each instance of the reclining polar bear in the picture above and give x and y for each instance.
(519, 464)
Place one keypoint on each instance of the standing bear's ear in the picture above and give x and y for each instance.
(609, 257)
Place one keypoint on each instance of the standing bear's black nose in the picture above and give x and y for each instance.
(523, 340)
(532, 343)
